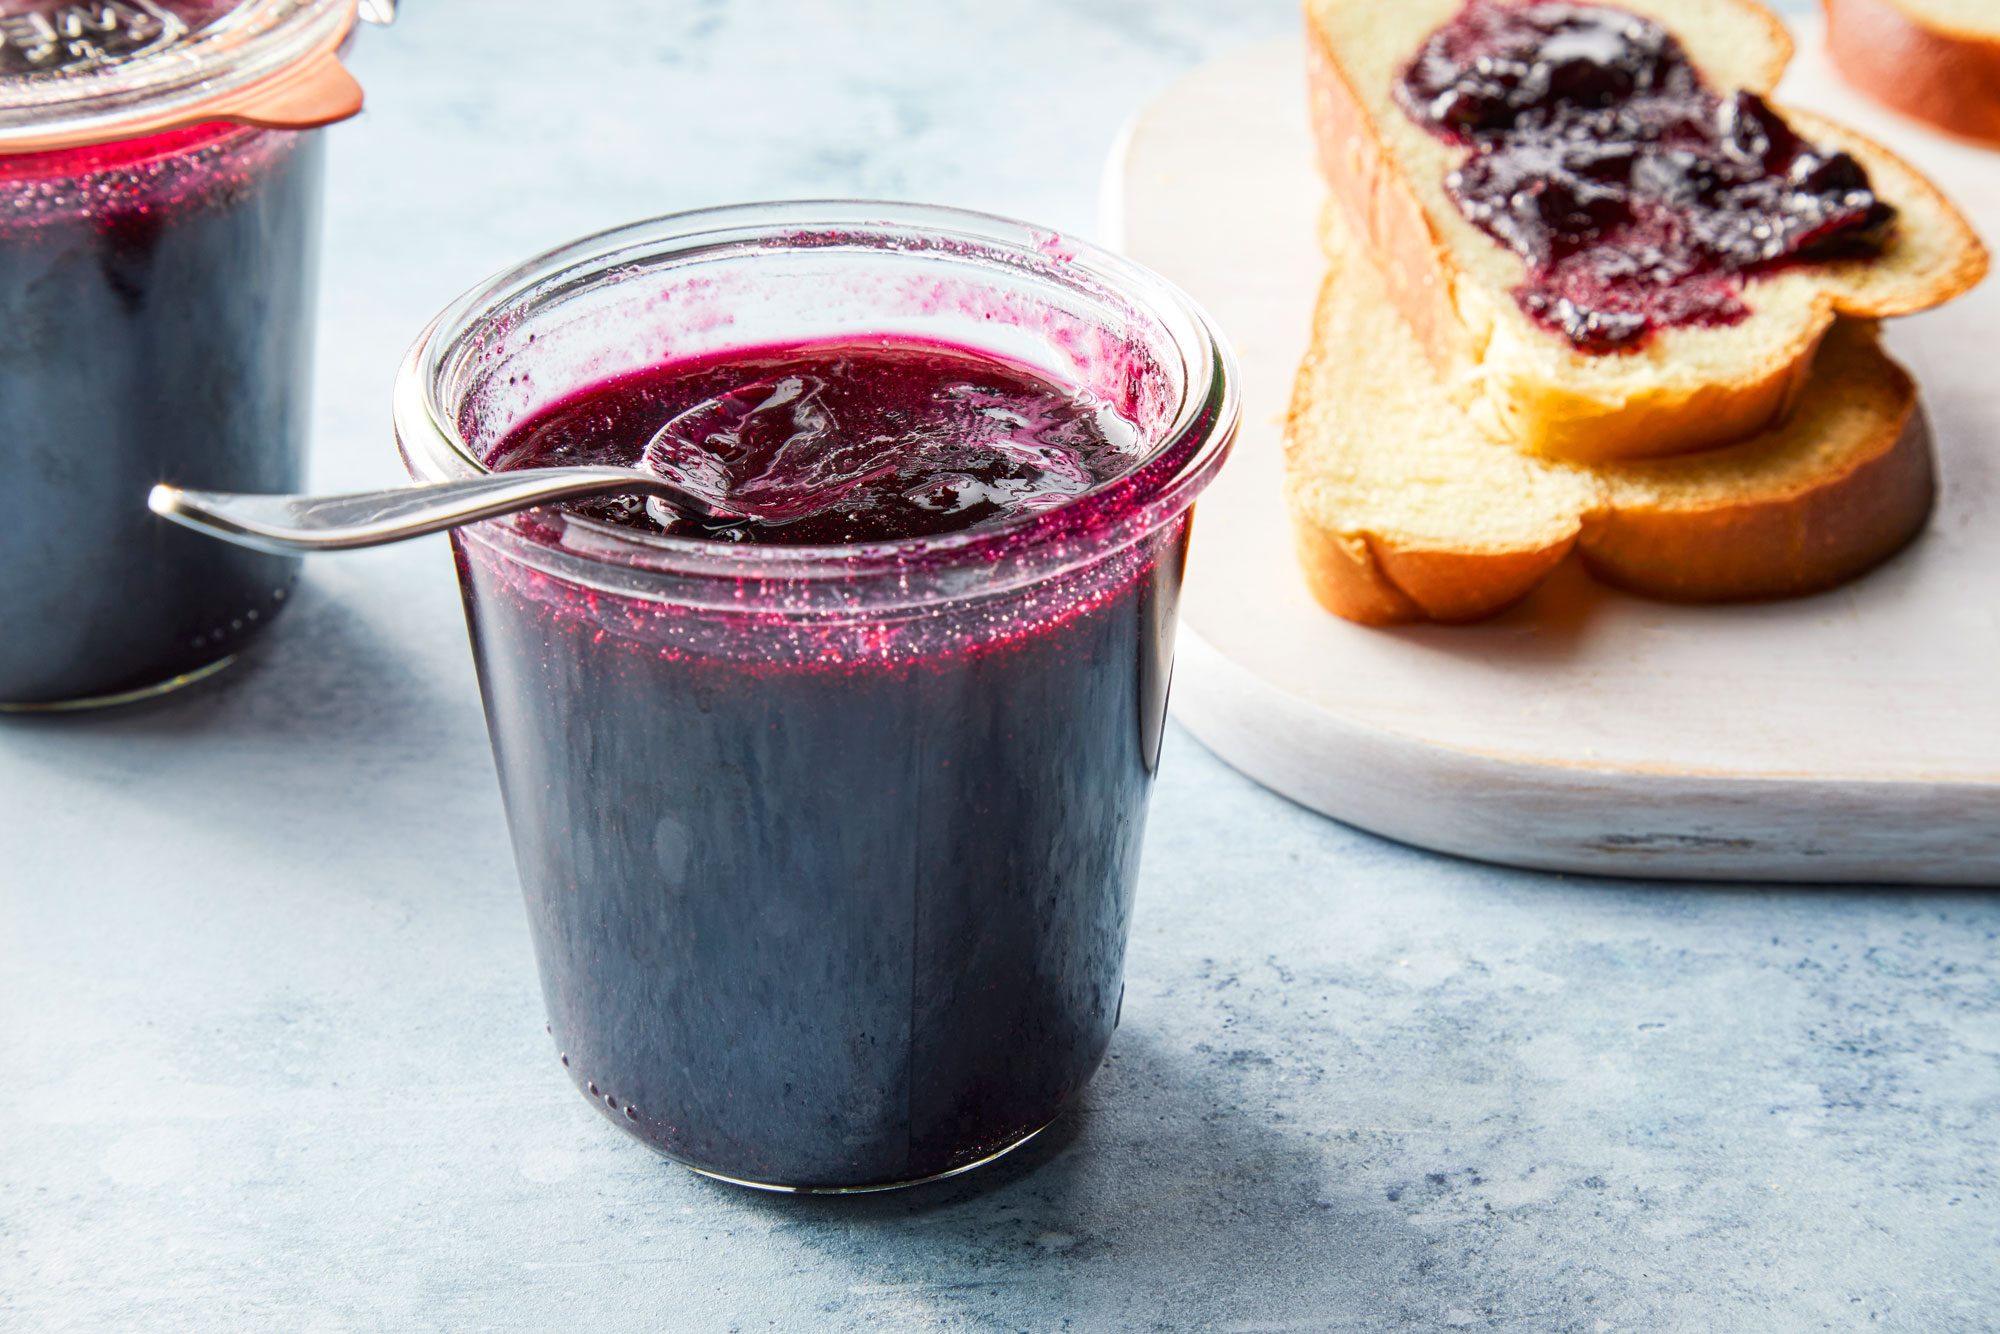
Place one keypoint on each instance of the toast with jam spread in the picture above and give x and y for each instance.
(1606, 240)
(1404, 509)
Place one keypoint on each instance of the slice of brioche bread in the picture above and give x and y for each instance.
(1685, 389)
(1936, 60)
(1403, 509)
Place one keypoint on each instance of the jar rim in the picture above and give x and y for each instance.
(1191, 445)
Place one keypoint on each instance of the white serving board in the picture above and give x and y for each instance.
(1849, 737)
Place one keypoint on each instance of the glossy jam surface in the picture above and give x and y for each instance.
(156, 302)
(837, 443)
(1640, 198)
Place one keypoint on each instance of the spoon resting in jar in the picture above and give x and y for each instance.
(677, 477)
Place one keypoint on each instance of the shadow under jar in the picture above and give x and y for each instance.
(159, 225)
(829, 851)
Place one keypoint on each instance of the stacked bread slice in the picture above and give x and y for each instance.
(1937, 60)
(1445, 452)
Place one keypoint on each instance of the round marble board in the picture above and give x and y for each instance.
(1853, 736)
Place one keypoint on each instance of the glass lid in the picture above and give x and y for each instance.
(77, 73)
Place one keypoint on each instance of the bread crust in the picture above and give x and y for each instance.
(1774, 547)
(1666, 421)
(1947, 79)
(1377, 580)
(1962, 267)
(1381, 207)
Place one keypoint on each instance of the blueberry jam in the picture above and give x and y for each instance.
(1640, 199)
(156, 302)
(834, 898)
(840, 443)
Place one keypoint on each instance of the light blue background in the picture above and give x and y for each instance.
(273, 1044)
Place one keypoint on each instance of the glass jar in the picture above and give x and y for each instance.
(159, 218)
(829, 852)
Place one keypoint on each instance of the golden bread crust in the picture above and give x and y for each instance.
(1379, 581)
(1948, 79)
(1380, 207)
(1797, 541)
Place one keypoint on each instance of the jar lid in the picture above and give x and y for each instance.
(73, 74)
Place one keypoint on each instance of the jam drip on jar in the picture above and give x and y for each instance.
(1639, 198)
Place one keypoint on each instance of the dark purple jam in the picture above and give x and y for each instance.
(841, 443)
(1639, 198)
(156, 302)
(824, 900)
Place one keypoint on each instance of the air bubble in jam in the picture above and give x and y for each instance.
(1638, 197)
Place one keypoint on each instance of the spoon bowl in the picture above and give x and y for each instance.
(693, 450)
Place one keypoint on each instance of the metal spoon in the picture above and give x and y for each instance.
(680, 471)
(292, 524)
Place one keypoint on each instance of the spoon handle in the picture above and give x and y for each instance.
(291, 524)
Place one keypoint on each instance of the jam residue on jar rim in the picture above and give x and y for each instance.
(1638, 197)
(673, 287)
(160, 172)
(1178, 462)
(958, 417)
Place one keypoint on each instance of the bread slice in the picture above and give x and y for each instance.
(1936, 60)
(1403, 509)
(1685, 389)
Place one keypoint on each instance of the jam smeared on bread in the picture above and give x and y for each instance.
(1639, 198)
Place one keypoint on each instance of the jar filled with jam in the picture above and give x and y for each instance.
(160, 180)
(828, 819)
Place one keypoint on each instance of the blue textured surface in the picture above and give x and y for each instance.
(272, 1036)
